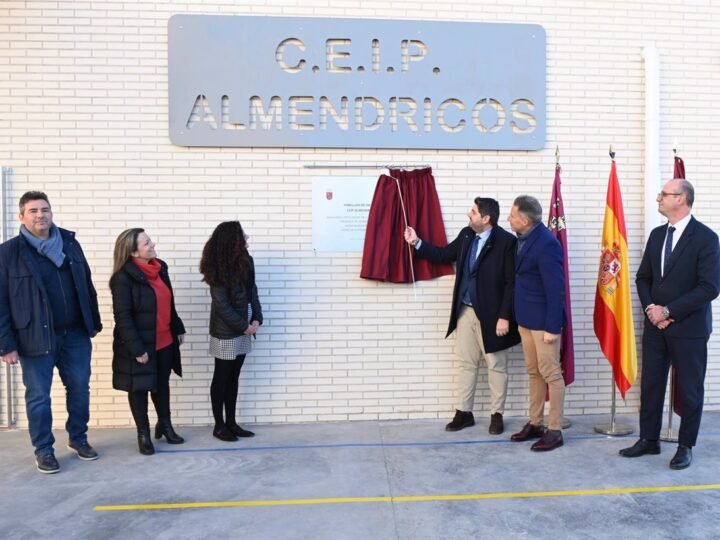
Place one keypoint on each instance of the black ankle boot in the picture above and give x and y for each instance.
(164, 427)
(145, 444)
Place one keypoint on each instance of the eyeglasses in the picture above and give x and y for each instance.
(664, 194)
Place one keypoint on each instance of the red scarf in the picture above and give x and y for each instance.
(163, 335)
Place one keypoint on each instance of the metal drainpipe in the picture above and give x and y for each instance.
(6, 174)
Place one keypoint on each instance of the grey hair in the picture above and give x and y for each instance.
(529, 207)
(688, 190)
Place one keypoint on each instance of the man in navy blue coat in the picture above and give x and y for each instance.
(484, 256)
(48, 313)
(678, 278)
(540, 314)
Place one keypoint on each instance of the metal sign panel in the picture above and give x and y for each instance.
(355, 83)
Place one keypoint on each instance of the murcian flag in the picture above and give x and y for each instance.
(679, 168)
(613, 319)
(557, 226)
(678, 172)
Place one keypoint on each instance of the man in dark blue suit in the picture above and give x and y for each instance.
(481, 310)
(540, 314)
(678, 278)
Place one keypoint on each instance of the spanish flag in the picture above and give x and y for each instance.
(613, 319)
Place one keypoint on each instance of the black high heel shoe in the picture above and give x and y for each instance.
(223, 433)
(164, 427)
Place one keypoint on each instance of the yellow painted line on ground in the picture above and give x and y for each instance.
(409, 498)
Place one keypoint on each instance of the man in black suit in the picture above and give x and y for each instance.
(482, 307)
(678, 278)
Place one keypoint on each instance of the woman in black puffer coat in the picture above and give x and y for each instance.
(147, 336)
(235, 317)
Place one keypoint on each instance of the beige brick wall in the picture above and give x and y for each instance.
(83, 116)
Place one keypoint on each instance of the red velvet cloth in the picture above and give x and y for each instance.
(151, 269)
(385, 255)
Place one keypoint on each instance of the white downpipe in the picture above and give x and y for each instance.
(652, 137)
(653, 181)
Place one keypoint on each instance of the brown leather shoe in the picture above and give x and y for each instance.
(496, 424)
(529, 431)
(551, 440)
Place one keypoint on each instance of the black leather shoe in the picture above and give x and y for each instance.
(223, 433)
(145, 445)
(640, 448)
(551, 439)
(164, 427)
(529, 431)
(682, 458)
(461, 421)
(496, 424)
(47, 464)
(240, 432)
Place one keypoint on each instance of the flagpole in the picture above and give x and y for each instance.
(613, 429)
(566, 334)
(669, 435)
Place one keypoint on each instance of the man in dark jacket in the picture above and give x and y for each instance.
(678, 278)
(482, 307)
(540, 309)
(48, 313)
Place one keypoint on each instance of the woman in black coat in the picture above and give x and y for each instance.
(235, 317)
(147, 336)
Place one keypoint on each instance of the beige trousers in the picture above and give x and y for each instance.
(470, 350)
(545, 373)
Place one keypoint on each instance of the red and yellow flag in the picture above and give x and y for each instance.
(613, 319)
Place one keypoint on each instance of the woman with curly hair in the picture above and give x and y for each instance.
(235, 316)
(147, 335)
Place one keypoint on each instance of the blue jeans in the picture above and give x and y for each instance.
(71, 355)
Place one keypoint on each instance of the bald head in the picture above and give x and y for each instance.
(676, 199)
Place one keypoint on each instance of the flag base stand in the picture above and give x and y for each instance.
(613, 429)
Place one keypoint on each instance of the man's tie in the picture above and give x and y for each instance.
(668, 248)
(478, 247)
(473, 252)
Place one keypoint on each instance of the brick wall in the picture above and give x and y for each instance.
(83, 116)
